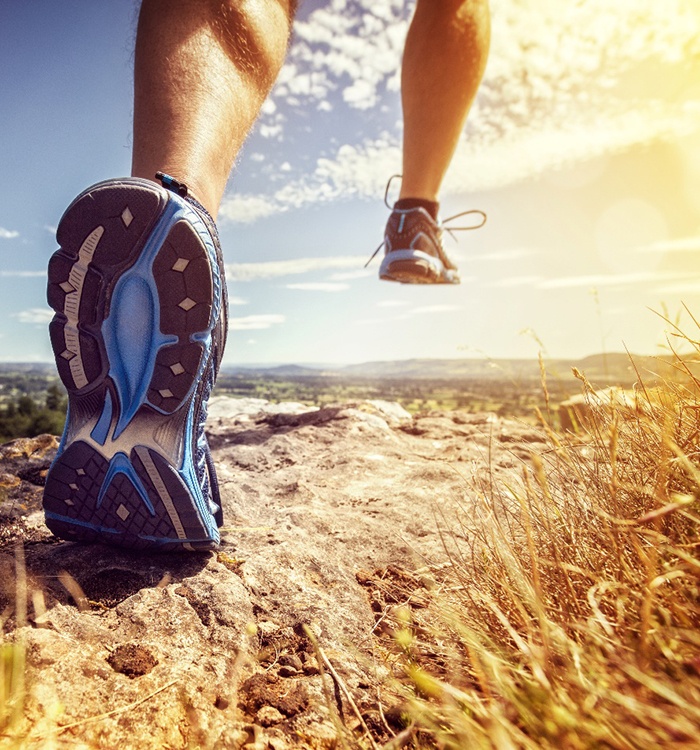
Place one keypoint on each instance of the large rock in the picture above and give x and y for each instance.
(220, 650)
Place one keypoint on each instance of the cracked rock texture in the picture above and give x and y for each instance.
(221, 650)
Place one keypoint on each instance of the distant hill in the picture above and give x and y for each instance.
(599, 368)
(616, 367)
(28, 368)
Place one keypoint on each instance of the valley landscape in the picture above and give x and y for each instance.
(32, 398)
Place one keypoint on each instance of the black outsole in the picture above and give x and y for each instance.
(133, 290)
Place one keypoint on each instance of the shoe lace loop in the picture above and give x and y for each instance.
(451, 230)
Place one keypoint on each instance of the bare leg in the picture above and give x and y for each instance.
(202, 71)
(444, 60)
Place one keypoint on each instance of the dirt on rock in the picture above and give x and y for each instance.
(334, 518)
(132, 660)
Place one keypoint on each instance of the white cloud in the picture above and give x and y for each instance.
(362, 273)
(270, 131)
(356, 170)
(362, 94)
(431, 309)
(237, 301)
(513, 281)
(610, 279)
(498, 255)
(276, 268)
(23, 274)
(37, 315)
(408, 314)
(319, 286)
(691, 286)
(246, 209)
(255, 322)
(351, 46)
(678, 245)
(7, 234)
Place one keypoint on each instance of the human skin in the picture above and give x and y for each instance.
(444, 60)
(201, 73)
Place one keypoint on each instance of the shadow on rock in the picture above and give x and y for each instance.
(268, 425)
(92, 576)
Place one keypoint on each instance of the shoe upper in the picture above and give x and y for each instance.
(415, 229)
(206, 473)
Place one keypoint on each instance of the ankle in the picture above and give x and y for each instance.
(432, 207)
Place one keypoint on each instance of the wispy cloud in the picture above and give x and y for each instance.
(22, 274)
(432, 309)
(8, 234)
(505, 255)
(37, 315)
(408, 314)
(607, 280)
(319, 286)
(246, 209)
(276, 268)
(361, 273)
(515, 281)
(678, 245)
(689, 286)
(353, 170)
(255, 322)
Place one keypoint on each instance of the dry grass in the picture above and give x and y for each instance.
(571, 619)
(12, 666)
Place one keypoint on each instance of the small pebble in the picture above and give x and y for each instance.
(291, 660)
(311, 666)
(267, 716)
(286, 671)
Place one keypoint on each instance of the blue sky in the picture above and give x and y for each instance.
(583, 147)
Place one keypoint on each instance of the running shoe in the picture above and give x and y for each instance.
(139, 331)
(413, 252)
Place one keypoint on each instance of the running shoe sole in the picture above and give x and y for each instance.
(137, 293)
(416, 267)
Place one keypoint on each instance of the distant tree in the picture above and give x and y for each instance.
(46, 421)
(54, 398)
(26, 406)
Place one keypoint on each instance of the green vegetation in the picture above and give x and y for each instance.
(27, 416)
(505, 396)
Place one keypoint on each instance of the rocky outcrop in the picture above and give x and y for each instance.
(271, 640)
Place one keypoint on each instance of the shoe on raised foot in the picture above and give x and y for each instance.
(139, 331)
(413, 252)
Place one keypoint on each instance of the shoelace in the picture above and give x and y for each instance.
(441, 225)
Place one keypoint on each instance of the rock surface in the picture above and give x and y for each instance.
(229, 649)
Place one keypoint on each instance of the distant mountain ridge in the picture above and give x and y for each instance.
(615, 366)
